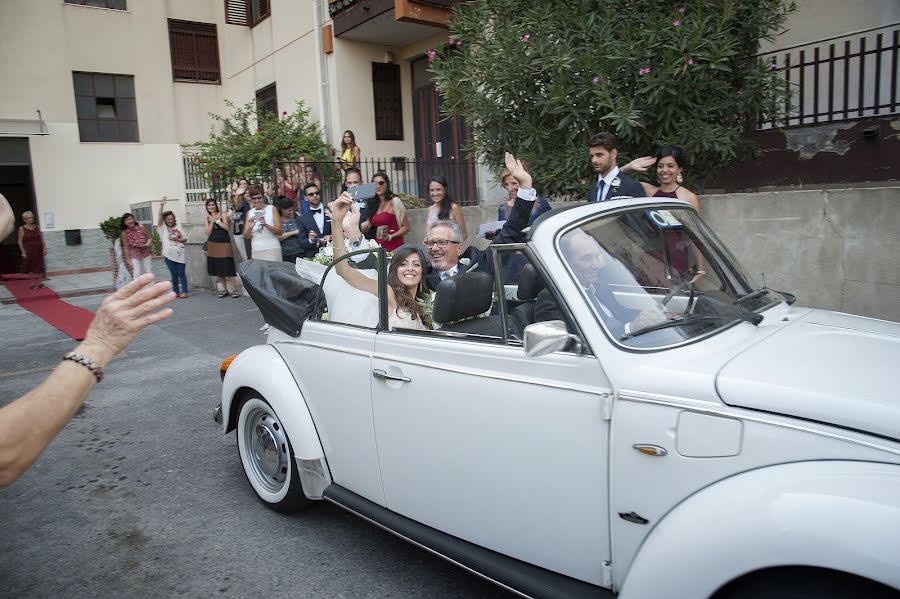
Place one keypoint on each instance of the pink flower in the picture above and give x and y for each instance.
(526, 38)
(432, 55)
(259, 128)
(690, 61)
(676, 23)
(681, 9)
(644, 71)
(267, 142)
(284, 113)
(455, 42)
(596, 80)
(773, 66)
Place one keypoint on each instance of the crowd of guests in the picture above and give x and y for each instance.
(288, 220)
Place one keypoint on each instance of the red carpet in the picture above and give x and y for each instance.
(44, 302)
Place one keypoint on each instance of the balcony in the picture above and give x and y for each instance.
(389, 22)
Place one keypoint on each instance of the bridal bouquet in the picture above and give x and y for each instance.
(325, 255)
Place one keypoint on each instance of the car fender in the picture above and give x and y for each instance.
(839, 515)
(262, 369)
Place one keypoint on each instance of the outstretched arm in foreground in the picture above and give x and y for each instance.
(521, 210)
(28, 424)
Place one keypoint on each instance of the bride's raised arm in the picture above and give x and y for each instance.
(339, 209)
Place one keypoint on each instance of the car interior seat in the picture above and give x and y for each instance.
(530, 284)
(460, 302)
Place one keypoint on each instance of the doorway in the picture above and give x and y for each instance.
(440, 141)
(17, 187)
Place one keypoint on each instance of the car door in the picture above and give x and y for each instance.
(332, 361)
(496, 448)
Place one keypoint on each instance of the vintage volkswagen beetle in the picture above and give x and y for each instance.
(676, 431)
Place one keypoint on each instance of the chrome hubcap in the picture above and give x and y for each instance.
(268, 449)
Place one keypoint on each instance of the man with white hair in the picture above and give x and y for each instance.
(444, 242)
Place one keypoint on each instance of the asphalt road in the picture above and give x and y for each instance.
(142, 496)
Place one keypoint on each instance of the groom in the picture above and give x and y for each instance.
(444, 242)
(604, 150)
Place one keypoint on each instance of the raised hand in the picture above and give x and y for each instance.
(639, 165)
(514, 166)
(340, 207)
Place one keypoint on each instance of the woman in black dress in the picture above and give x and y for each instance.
(219, 255)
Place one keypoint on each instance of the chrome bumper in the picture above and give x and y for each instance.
(217, 414)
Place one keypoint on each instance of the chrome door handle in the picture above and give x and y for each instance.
(384, 376)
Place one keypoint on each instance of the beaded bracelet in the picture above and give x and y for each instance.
(87, 363)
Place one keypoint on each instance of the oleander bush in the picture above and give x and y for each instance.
(247, 144)
(540, 77)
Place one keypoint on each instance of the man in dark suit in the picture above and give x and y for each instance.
(588, 261)
(445, 239)
(315, 223)
(604, 151)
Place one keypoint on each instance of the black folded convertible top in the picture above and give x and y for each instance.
(284, 298)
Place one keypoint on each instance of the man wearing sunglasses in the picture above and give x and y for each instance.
(444, 242)
(315, 223)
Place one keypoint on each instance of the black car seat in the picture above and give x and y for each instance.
(460, 301)
(530, 284)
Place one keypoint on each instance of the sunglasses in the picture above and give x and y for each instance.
(313, 193)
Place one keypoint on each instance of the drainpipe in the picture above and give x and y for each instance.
(322, 72)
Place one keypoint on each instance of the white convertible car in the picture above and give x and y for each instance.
(618, 410)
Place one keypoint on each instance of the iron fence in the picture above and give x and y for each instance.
(840, 78)
(408, 177)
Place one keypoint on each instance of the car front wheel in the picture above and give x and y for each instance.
(267, 457)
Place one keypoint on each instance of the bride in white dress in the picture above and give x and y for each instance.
(405, 278)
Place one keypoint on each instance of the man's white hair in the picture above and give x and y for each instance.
(455, 229)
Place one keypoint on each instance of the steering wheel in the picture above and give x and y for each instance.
(684, 284)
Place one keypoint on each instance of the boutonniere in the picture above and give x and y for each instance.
(615, 184)
(464, 261)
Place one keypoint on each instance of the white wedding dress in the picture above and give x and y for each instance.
(349, 305)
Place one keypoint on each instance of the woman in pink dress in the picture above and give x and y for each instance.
(31, 244)
(388, 215)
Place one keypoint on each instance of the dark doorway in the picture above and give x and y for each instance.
(440, 143)
(17, 187)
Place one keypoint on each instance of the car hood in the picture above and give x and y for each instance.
(825, 366)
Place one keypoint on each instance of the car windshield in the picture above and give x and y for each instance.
(659, 277)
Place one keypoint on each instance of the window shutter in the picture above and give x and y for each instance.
(264, 9)
(195, 51)
(237, 12)
(388, 103)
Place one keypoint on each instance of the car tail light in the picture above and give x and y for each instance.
(223, 368)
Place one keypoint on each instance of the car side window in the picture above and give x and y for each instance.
(527, 297)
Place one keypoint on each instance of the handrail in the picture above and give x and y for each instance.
(827, 39)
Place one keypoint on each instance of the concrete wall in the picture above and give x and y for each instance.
(818, 19)
(834, 249)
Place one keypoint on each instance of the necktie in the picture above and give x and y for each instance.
(446, 274)
(600, 187)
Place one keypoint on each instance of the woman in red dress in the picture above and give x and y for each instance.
(33, 248)
(388, 215)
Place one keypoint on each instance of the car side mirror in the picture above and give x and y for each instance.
(543, 338)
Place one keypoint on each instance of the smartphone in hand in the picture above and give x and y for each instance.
(362, 192)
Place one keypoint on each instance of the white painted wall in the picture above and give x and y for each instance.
(819, 19)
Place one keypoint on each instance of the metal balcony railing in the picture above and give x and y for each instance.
(842, 78)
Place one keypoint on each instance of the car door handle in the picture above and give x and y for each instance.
(384, 376)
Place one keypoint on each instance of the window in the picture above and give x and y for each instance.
(267, 100)
(195, 52)
(388, 106)
(113, 4)
(105, 107)
(246, 12)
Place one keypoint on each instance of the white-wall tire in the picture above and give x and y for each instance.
(268, 458)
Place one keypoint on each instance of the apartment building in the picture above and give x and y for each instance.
(102, 98)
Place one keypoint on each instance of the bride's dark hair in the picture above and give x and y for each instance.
(404, 300)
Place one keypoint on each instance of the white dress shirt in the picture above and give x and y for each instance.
(318, 215)
(607, 182)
